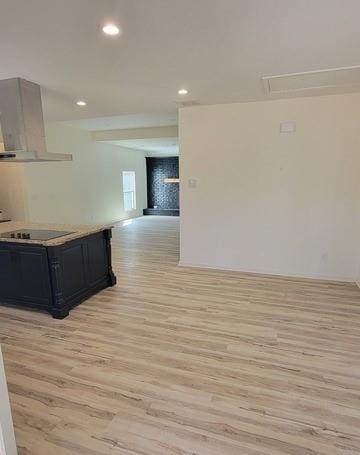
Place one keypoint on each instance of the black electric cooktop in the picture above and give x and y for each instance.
(34, 234)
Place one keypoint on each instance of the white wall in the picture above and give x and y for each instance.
(7, 437)
(87, 190)
(270, 202)
(357, 278)
(13, 199)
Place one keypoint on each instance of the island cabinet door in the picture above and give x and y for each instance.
(97, 258)
(34, 276)
(24, 275)
(78, 267)
(8, 275)
(68, 268)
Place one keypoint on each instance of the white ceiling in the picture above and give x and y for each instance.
(152, 147)
(218, 49)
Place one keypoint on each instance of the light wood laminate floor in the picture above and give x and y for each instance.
(180, 361)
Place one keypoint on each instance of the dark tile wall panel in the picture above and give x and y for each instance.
(161, 194)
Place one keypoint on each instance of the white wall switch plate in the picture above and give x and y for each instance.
(192, 183)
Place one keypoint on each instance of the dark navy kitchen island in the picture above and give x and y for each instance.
(53, 267)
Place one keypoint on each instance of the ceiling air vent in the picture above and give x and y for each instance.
(348, 78)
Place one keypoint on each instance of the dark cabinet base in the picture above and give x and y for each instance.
(60, 314)
(55, 278)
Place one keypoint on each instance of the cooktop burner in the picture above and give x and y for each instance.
(34, 234)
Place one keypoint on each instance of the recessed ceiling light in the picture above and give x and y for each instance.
(183, 91)
(81, 103)
(111, 29)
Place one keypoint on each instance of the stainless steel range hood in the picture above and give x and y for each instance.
(22, 123)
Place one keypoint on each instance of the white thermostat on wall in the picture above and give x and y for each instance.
(287, 127)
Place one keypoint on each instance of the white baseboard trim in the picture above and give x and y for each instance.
(270, 272)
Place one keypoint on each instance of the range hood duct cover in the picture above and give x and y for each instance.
(22, 123)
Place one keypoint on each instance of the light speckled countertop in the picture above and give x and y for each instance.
(78, 231)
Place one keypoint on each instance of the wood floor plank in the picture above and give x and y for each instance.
(174, 360)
